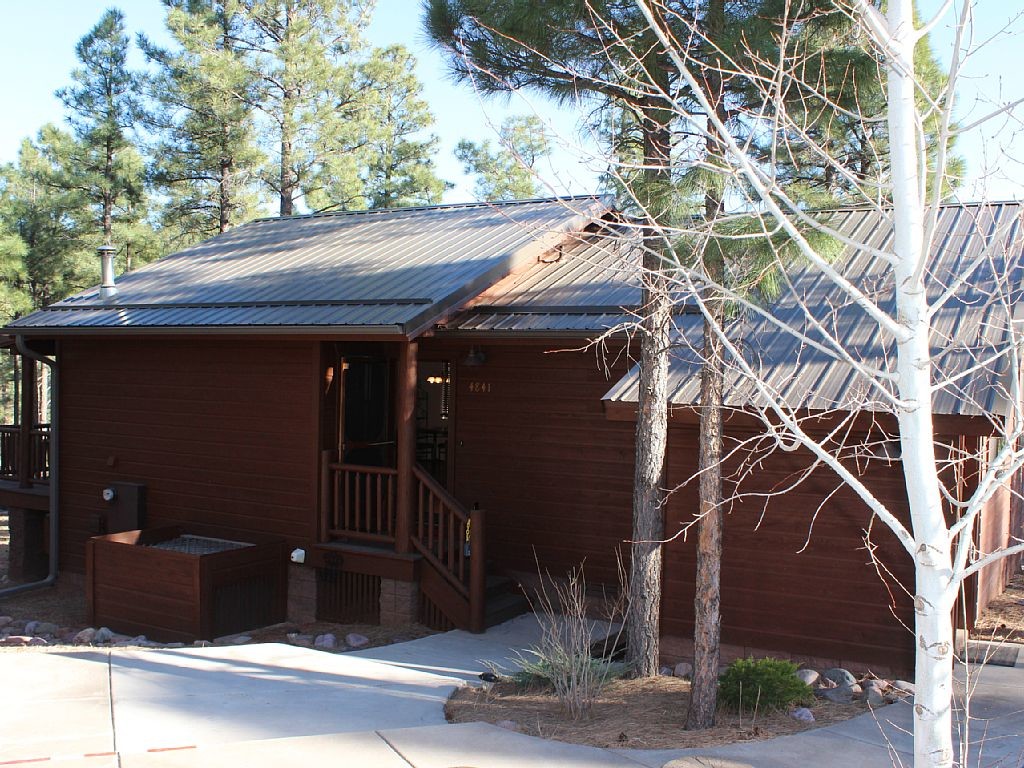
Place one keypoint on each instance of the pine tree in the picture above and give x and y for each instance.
(303, 55)
(507, 173)
(400, 160)
(102, 104)
(56, 223)
(206, 161)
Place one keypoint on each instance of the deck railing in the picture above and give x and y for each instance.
(359, 502)
(451, 540)
(38, 458)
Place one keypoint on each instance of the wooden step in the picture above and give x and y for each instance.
(503, 607)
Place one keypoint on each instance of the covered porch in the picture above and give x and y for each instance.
(386, 511)
(25, 467)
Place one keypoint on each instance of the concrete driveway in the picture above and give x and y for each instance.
(272, 704)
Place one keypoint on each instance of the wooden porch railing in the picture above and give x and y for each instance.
(38, 469)
(451, 540)
(358, 502)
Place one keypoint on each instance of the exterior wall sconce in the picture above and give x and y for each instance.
(475, 357)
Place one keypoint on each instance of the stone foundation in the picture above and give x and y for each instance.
(399, 602)
(301, 594)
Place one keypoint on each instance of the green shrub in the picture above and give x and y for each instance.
(763, 684)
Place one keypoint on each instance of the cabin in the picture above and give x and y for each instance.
(423, 406)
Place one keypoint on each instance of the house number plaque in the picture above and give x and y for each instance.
(479, 387)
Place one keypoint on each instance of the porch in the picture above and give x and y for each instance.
(387, 521)
(25, 475)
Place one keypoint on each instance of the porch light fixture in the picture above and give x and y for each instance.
(475, 357)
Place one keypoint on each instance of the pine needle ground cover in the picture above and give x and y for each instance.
(635, 714)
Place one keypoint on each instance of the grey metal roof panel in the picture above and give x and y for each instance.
(589, 285)
(968, 327)
(330, 269)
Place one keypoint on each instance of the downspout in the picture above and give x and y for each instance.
(51, 577)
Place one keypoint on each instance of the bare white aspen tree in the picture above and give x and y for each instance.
(943, 550)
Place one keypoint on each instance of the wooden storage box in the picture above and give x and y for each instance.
(177, 587)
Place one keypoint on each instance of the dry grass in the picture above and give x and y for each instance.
(638, 714)
(1004, 617)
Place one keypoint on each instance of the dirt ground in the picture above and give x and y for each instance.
(635, 714)
(1004, 618)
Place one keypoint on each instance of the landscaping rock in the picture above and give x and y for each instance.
(665, 671)
(509, 725)
(808, 676)
(903, 687)
(36, 641)
(355, 640)
(874, 697)
(85, 637)
(843, 694)
(14, 641)
(803, 714)
(839, 676)
(174, 645)
(40, 628)
(240, 639)
(4, 621)
(103, 635)
(683, 669)
(326, 642)
(301, 640)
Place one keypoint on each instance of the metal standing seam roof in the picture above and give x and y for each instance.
(589, 285)
(387, 271)
(968, 327)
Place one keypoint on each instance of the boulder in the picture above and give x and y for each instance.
(683, 669)
(903, 687)
(326, 642)
(839, 676)
(843, 694)
(665, 671)
(808, 676)
(803, 714)
(85, 637)
(355, 640)
(15, 641)
(300, 639)
(874, 697)
(40, 628)
(103, 635)
(5, 620)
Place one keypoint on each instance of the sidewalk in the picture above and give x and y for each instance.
(272, 704)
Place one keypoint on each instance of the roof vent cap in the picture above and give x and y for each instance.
(108, 289)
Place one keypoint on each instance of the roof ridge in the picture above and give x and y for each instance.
(433, 207)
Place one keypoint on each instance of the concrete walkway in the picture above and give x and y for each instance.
(272, 704)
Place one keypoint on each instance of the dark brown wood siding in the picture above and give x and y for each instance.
(796, 575)
(223, 433)
(534, 449)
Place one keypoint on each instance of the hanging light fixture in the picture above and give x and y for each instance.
(475, 357)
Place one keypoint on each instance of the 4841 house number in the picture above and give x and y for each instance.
(479, 387)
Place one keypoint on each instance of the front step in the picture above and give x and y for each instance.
(504, 600)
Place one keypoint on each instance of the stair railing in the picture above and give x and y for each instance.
(451, 540)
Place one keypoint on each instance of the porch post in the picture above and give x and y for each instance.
(28, 418)
(406, 439)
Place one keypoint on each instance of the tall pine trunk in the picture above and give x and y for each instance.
(643, 623)
(707, 601)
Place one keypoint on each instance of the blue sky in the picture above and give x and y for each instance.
(37, 43)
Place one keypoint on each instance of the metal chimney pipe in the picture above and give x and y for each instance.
(106, 253)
